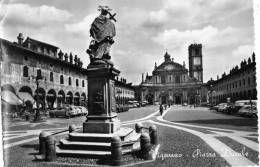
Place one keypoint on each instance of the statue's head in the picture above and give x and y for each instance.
(104, 12)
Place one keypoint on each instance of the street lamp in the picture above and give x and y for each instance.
(211, 95)
(37, 117)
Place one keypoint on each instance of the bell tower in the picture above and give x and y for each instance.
(195, 61)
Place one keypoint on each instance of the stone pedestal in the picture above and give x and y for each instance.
(102, 124)
(102, 117)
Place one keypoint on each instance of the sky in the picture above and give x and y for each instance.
(145, 30)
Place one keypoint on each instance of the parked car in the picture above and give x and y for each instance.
(223, 107)
(67, 112)
(132, 104)
(185, 104)
(121, 108)
(218, 106)
(84, 111)
(249, 110)
(240, 103)
(230, 108)
(144, 103)
(78, 110)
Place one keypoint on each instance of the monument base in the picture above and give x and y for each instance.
(105, 127)
(98, 144)
(102, 124)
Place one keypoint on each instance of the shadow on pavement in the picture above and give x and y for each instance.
(34, 146)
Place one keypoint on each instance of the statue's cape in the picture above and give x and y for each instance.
(101, 28)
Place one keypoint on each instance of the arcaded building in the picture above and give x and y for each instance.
(124, 91)
(238, 84)
(172, 82)
(60, 78)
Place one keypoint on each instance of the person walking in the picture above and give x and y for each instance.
(161, 109)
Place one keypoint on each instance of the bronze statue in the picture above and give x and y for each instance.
(102, 31)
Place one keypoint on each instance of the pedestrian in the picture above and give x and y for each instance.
(161, 109)
(27, 115)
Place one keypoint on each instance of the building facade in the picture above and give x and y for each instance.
(172, 82)
(124, 91)
(33, 69)
(239, 84)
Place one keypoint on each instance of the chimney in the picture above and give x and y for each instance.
(75, 59)
(20, 38)
(71, 58)
(78, 62)
(66, 57)
(60, 54)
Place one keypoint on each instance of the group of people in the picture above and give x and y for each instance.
(163, 107)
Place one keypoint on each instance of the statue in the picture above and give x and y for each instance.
(102, 31)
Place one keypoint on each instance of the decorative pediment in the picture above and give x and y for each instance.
(170, 66)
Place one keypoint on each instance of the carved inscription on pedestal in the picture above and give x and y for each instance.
(96, 97)
(98, 102)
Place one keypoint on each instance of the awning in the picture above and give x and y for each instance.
(10, 98)
(25, 96)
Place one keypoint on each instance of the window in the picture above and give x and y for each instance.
(25, 58)
(69, 80)
(239, 83)
(177, 79)
(77, 82)
(25, 71)
(61, 79)
(163, 79)
(196, 61)
(7, 68)
(39, 73)
(248, 81)
(83, 84)
(244, 82)
(197, 51)
(51, 76)
(254, 79)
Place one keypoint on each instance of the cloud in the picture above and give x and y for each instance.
(82, 27)
(194, 13)
(212, 37)
(145, 30)
(243, 51)
(26, 15)
(217, 45)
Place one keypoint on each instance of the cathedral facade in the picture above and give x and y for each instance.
(173, 83)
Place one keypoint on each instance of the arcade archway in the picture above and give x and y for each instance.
(69, 98)
(51, 98)
(60, 99)
(83, 99)
(77, 99)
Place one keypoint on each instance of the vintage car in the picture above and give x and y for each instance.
(248, 110)
(66, 112)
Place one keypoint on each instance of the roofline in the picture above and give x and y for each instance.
(41, 54)
(28, 38)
